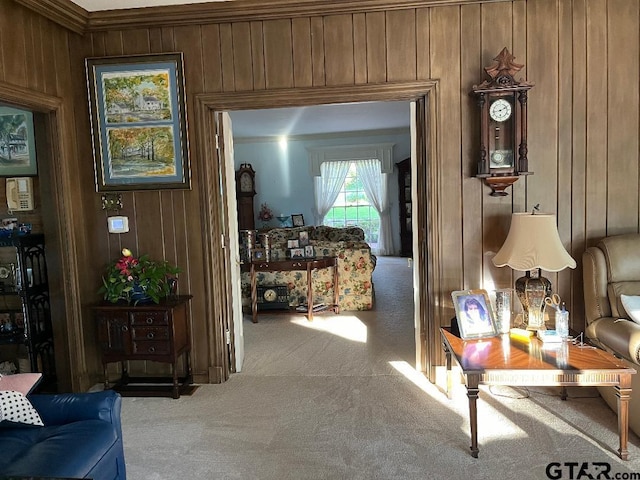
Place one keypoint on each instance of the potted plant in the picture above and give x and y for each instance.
(136, 280)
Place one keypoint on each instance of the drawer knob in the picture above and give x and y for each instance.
(149, 320)
(150, 335)
(152, 349)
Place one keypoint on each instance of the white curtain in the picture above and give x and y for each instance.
(328, 186)
(375, 187)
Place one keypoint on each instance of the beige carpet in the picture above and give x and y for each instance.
(338, 399)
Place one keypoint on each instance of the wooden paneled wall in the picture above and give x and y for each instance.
(582, 55)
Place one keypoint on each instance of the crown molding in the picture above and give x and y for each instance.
(77, 19)
(250, 10)
(63, 12)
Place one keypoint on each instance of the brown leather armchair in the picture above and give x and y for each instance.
(611, 269)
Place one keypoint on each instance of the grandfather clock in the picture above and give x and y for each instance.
(502, 101)
(245, 191)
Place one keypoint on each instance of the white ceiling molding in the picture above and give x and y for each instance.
(381, 151)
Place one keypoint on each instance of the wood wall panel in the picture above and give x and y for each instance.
(212, 62)
(473, 191)
(338, 49)
(401, 45)
(423, 70)
(583, 115)
(302, 67)
(278, 56)
(622, 117)
(226, 49)
(317, 50)
(445, 46)
(564, 164)
(596, 93)
(242, 58)
(376, 47)
(579, 156)
(360, 48)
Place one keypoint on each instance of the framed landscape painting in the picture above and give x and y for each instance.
(138, 119)
(17, 143)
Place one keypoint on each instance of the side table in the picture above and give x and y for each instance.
(157, 332)
(308, 264)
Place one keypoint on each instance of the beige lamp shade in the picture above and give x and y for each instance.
(533, 242)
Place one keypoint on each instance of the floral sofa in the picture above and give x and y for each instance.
(355, 262)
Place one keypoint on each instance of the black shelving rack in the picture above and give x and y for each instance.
(31, 286)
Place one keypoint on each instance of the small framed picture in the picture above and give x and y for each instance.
(474, 314)
(258, 254)
(297, 220)
(296, 252)
(304, 238)
(309, 251)
(293, 243)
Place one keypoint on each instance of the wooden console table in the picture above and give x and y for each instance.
(308, 264)
(492, 361)
(156, 332)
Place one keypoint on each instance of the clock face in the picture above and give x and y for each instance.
(500, 110)
(246, 182)
(270, 295)
(5, 272)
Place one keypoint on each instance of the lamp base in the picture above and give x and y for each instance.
(532, 290)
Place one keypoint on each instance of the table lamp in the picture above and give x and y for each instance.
(533, 243)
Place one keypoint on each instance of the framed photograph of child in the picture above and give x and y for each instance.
(309, 251)
(474, 314)
(293, 243)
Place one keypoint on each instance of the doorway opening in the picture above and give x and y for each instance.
(424, 151)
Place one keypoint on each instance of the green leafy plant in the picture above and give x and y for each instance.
(132, 279)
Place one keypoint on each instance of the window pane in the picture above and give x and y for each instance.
(352, 208)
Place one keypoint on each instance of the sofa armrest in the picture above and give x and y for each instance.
(617, 335)
(60, 409)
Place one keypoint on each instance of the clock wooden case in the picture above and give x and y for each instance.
(245, 191)
(502, 101)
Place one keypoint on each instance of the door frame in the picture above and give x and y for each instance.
(64, 269)
(427, 224)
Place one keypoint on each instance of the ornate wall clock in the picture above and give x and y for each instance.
(502, 101)
(245, 191)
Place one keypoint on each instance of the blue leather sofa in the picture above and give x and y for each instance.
(81, 438)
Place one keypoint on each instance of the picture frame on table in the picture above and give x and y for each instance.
(296, 252)
(297, 220)
(293, 243)
(474, 314)
(17, 145)
(309, 251)
(138, 120)
(303, 238)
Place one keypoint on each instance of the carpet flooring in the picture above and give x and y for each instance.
(338, 398)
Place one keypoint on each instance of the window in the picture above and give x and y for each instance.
(352, 208)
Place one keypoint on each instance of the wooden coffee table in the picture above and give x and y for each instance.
(517, 361)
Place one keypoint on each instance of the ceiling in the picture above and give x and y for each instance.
(291, 121)
(97, 5)
(321, 119)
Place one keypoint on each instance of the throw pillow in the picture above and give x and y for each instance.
(21, 382)
(15, 408)
(631, 304)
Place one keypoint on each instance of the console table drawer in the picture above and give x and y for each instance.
(151, 333)
(150, 347)
(149, 318)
